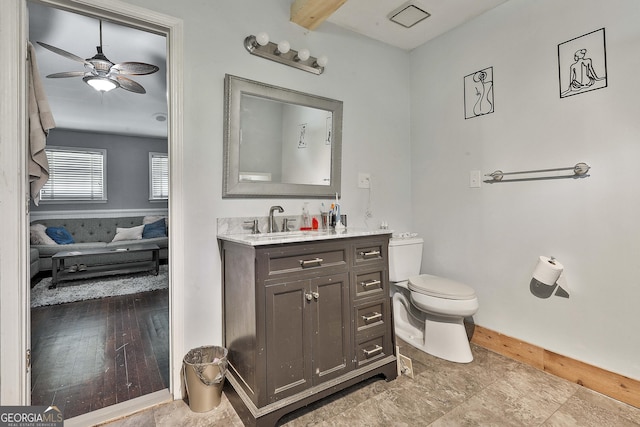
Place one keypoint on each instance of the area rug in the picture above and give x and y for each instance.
(99, 287)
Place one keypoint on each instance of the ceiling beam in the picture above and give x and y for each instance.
(311, 13)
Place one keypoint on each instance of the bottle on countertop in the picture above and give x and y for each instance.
(332, 216)
(306, 219)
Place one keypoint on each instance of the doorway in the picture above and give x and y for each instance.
(172, 28)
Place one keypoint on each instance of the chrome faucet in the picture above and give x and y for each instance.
(273, 227)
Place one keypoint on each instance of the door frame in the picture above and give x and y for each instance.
(14, 189)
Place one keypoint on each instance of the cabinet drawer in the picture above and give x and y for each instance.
(369, 283)
(372, 349)
(280, 262)
(368, 252)
(371, 315)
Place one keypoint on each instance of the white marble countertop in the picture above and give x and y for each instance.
(299, 236)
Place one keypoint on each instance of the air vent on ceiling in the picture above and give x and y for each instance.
(409, 15)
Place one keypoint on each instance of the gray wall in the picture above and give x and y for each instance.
(127, 169)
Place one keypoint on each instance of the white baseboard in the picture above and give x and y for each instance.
(117, 411)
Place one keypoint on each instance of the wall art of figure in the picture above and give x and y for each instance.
(582, 64)
(478, 93)
(302, 135)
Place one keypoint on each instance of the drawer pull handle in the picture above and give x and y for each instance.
(369, 254)
(311, 262)
(375, 316)
(373, 282)
(376, 350)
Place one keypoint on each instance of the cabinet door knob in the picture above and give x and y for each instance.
(309, 297)
(315, 295)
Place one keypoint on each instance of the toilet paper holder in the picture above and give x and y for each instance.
(579, 171)
(548, 279)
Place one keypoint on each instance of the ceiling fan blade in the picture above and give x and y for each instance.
(66, 74)
(64, 53)
(130, 85)
(135, 68)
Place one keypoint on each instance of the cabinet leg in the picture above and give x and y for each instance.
(55, 267)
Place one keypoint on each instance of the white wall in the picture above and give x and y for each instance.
(312, 163)
(376, 115)
(491, 237)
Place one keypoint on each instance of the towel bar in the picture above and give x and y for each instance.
(579, 171)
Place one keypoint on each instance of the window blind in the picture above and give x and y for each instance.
(158, 176)
(75, 175)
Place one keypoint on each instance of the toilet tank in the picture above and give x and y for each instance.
(405, 257)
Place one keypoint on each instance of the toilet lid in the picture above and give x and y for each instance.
(440, 287)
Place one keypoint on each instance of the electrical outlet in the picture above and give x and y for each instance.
(474, 179)
(406, 365)
(364, 180)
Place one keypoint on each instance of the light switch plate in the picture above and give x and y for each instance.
(474, 179)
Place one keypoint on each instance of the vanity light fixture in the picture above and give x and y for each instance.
(281, 52)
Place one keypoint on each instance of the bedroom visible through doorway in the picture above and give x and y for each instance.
(112, 344)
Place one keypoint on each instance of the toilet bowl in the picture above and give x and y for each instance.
(429, 311)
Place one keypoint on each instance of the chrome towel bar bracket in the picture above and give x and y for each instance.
(579, 171)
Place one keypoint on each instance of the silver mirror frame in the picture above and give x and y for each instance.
(234, 88)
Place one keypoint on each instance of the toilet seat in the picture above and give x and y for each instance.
(439, 287)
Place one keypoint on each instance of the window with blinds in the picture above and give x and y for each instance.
(158, 176)
(75, 175)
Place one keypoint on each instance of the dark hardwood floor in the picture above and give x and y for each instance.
(91, 354)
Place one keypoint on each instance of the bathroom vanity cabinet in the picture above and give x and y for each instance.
(303, 320)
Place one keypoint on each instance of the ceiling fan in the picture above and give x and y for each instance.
(102, 74)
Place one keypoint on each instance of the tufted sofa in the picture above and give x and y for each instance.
(96, 233)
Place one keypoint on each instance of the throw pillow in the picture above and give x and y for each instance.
(155, 229)
(38, 235)
(60, 235)
(133, 233)
(149, 219)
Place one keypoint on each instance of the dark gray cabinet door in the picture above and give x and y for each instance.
(332, 327)
(289, 338)
(308, 332)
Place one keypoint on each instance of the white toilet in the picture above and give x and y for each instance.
(428, 310)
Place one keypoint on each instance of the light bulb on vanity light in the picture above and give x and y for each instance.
(303, 55)
(322, 61)
(262, 39)
(283, 47)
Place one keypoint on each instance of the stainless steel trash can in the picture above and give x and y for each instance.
(204, 369)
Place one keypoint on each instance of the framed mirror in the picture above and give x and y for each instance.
(279, 142)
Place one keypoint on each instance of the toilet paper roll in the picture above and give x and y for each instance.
(547, 271)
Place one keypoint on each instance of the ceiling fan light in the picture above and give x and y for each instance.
(101, 84)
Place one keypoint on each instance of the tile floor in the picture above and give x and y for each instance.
(491, 391)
